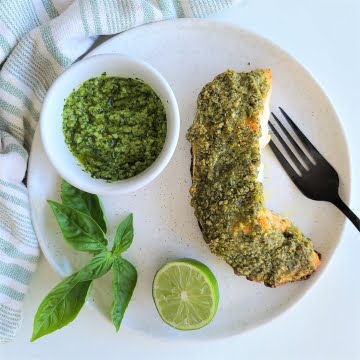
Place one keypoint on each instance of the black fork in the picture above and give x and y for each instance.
(320, 181)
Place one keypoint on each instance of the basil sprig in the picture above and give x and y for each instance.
(83, 226)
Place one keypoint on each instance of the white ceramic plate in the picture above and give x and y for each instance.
(189, 53)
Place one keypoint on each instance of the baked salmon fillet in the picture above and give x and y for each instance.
(227, 136)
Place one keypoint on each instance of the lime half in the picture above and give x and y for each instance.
(186, 294)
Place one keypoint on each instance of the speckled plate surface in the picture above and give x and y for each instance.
(189, 53)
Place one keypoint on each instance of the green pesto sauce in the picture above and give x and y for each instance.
(115, 126)
(225, 190)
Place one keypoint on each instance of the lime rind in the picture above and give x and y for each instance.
(186, 294)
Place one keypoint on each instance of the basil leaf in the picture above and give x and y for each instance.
(60, 306)
(64, 302)
(124, 282)
(124, 236)
(98, 266)
(79, 229)
(84, 202)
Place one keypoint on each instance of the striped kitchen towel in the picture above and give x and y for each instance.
(38, 40)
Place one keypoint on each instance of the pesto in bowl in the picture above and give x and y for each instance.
(115, 126)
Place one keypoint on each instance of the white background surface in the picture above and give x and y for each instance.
(322, 35)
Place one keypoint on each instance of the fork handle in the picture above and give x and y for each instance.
(347, 212)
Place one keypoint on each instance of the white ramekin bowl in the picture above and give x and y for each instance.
(52, 135)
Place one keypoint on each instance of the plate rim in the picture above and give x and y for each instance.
(347, 191)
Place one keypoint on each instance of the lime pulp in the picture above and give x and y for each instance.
(186, 294)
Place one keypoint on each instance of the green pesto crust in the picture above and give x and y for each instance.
(225, 191)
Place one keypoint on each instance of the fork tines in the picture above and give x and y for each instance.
(305, 141)
(319, 181)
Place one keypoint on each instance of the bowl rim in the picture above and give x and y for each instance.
(101, 186)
